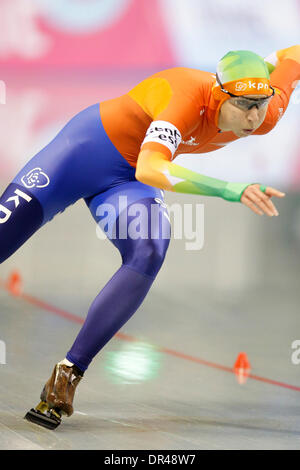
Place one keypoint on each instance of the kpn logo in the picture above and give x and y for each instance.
(251, 85)
(240, 86)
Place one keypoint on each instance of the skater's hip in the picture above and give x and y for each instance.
(79, 162)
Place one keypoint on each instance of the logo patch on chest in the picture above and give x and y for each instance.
(191, 141)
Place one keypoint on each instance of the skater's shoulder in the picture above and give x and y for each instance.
(174, 82)
(186, 74)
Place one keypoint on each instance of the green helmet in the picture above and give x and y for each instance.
(236, 65)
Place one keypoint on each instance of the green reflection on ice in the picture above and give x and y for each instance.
(133, 363)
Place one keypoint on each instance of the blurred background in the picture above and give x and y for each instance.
(58, 57)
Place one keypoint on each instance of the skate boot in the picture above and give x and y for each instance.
(57, 397)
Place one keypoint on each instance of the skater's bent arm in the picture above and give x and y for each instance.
(154, 169)
(155, 166)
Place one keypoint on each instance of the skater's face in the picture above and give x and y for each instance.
(235, 117)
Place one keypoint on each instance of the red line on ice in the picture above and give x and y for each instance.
(75, 318)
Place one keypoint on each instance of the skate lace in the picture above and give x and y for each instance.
(67, 374)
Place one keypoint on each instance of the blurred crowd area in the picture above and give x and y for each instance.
(60, 56)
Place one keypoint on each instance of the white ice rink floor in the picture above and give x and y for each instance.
(183, 403)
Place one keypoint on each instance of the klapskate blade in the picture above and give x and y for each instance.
(38, 418)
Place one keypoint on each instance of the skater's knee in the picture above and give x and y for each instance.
(147, 256)
(143, 234)
(155, 252)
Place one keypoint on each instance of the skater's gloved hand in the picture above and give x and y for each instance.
(258, 199)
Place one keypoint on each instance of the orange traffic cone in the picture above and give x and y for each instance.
(14, 283)
(242, 368)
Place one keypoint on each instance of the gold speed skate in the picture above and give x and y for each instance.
(56, 398)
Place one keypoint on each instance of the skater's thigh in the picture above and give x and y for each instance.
(52, 180)
(107, 206)
(60, 173)
(35, 195)
(79, 162)
(136, 220)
